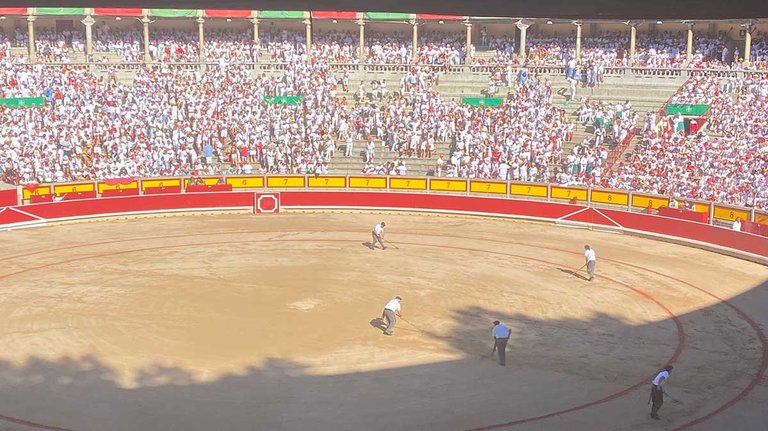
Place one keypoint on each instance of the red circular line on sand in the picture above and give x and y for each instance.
(680, 331)
(762, 368)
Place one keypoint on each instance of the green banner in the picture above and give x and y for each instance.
(482, 101)
(284, 100)
(389, 16)
(693, 110)
(60, 10)
(173, 13)
(281, 14)
(22, 102)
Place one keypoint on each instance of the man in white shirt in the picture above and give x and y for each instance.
(737, 224)
(377, 235)
(590, 258)
(501, 334)
(657, 390)
(390, 310)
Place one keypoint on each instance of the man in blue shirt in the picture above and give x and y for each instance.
(208, 153)
(501, 334)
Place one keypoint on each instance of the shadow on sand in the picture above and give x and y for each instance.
(546, 360)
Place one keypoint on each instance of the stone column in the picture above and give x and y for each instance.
(689, 45)
(308, 27)
(523, 26)
(255, 22)
(201, 38)
(361, 49)
(468, 58)
(415, 42)
(632, 44)
(88, 22)
(747, 44)
(578, 41)
(145, 22)
(31, 31)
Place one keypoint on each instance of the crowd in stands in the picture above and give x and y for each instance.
(127, 44)
(171, 122)
(336, 46)
(656, 50)
(729, 164)
(168, 123)
(517, 140)
(610, 125)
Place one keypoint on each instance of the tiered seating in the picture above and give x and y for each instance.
(732, 168)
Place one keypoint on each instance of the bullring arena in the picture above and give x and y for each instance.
(201, 320)
(187, 199)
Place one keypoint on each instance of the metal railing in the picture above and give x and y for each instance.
(618, 71)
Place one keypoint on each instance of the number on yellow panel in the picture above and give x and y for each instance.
(650, 202)
(285, 182)
(245, 182)
(609, 198)
(529, 189)
(367, 182)
(161, 184)
(326, 181)
(731, 214)
(407, 183)
(487, 186)
(569, 193)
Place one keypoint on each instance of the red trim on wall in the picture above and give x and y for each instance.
(227, 13)
(14, 11)
(329, 14)
(116, 11)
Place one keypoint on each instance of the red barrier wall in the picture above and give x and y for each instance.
(439, 202)
(146, 203)
(691, 230)
(640, 223)
(8, 198)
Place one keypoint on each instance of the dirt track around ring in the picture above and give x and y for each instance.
(229, 321)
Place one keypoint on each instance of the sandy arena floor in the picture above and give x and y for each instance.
(242, 322)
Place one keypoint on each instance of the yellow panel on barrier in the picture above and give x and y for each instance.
(208, 181)
(643, 201)
(610, 198)
(568, 193)
(246, 182)
(528, 190)
(117, 186)
(408, 183)
(701, 208)
(73, 188)
(334, 182)
(41, 190)
(164, 182)
(761, 218)
(448, 185)
(731, 214)
(278, 182)
(367, 182)
(488, 187)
